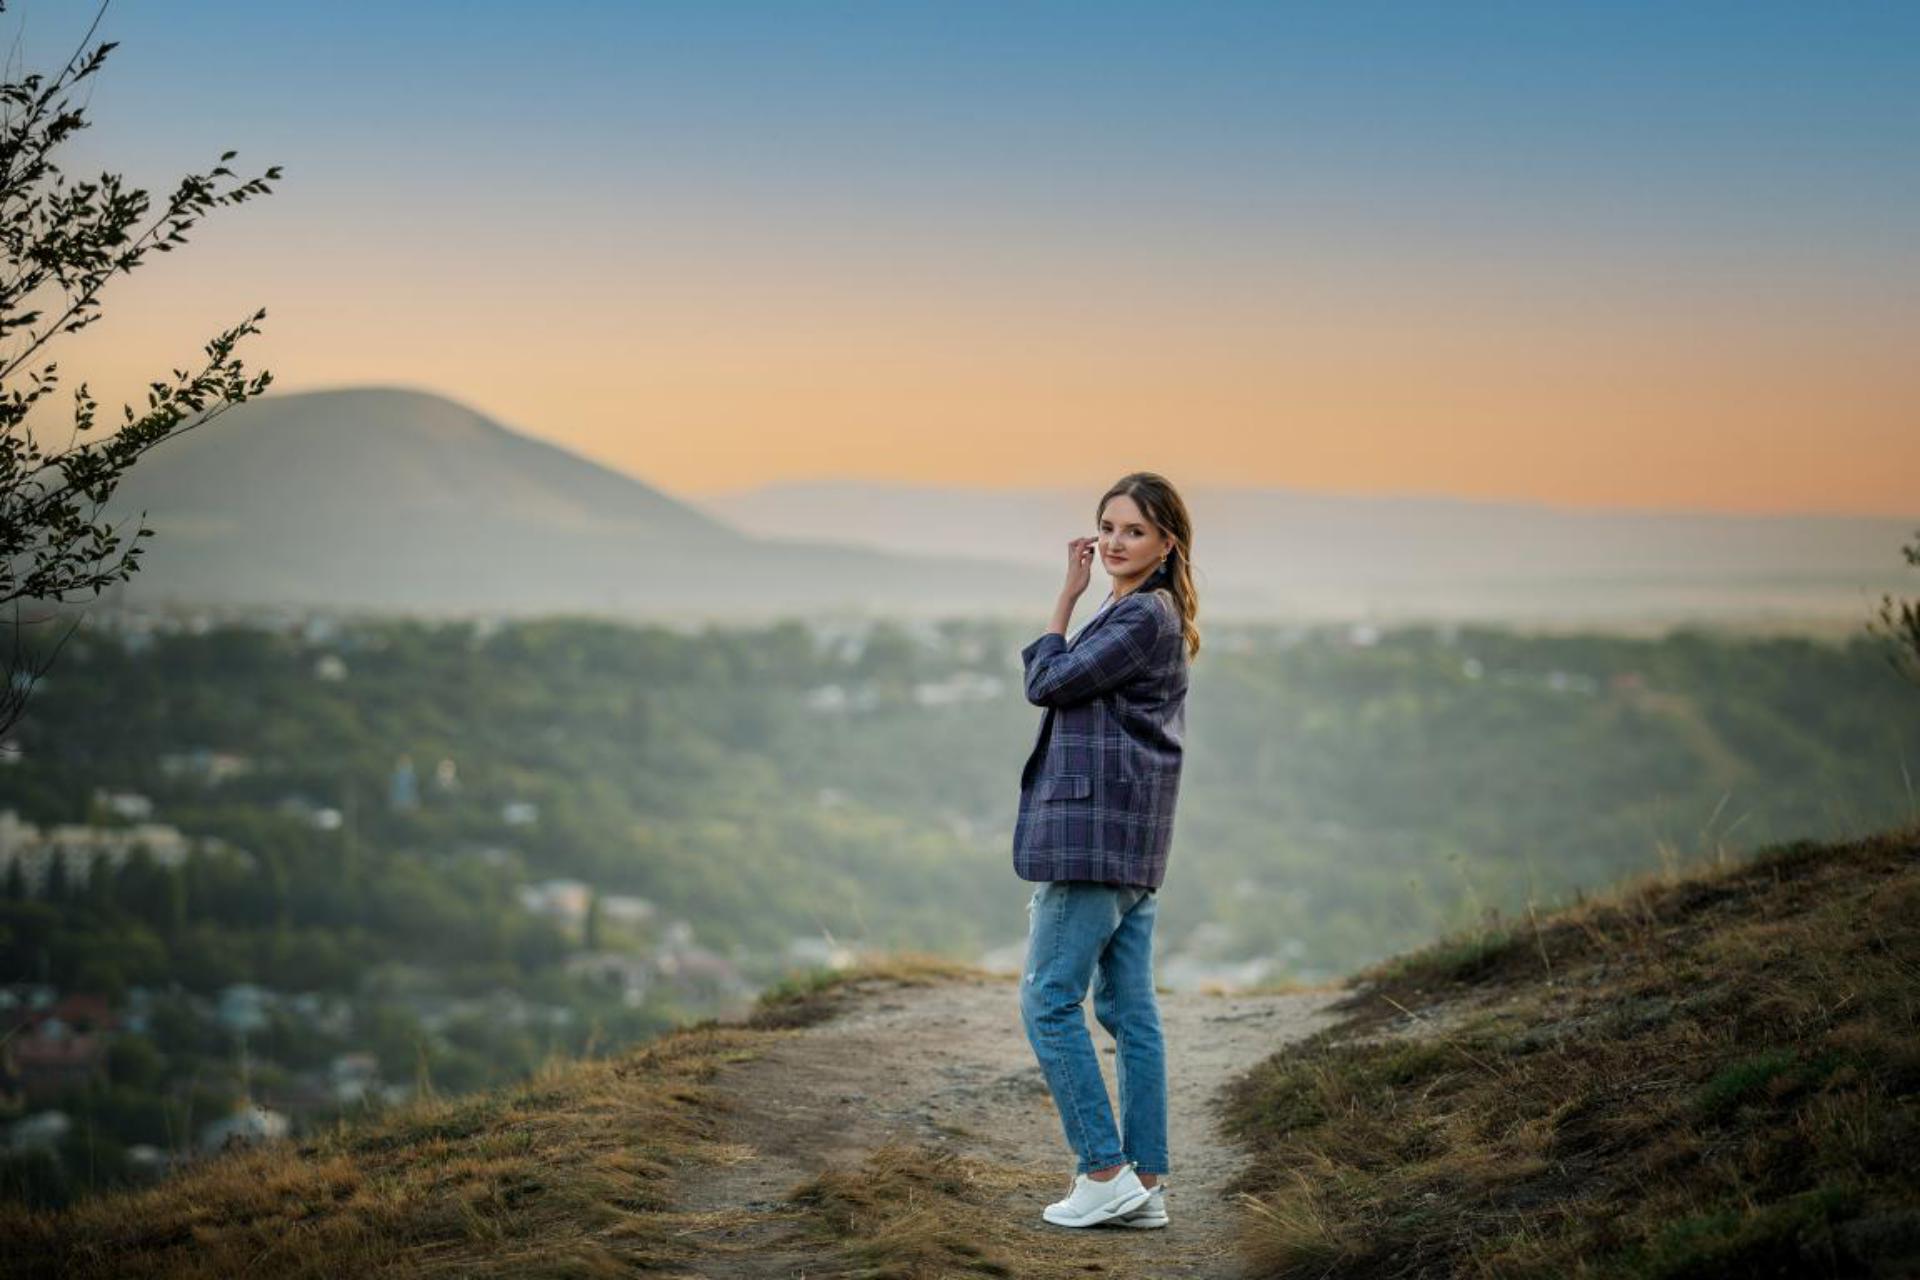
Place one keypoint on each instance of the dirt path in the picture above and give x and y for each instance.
(947, 1067)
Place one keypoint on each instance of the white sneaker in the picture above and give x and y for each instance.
(1091, 1203)
(1152, 1211)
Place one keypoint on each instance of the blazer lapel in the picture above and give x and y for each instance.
(1095, 621)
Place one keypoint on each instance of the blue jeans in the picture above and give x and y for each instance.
(1076, 927)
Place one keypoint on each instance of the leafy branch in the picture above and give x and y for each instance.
(1899, 622)
(63, 243)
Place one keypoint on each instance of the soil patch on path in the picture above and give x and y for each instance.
(910, 1133)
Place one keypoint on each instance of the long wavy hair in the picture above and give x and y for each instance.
(1160, 502)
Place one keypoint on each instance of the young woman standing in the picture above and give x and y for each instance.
(1095, 822)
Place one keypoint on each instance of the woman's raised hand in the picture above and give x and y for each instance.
(1079, 566)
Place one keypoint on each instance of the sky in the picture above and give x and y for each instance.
(1619, 255)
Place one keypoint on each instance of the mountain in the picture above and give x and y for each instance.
(393, 499)
(401, 500)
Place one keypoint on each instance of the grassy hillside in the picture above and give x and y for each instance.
(1710, 1075)
(569, 1174)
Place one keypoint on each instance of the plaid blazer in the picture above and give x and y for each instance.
(1098, 788)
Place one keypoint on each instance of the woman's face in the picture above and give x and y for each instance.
(1130, 547)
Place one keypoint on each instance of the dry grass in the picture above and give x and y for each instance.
(921, 1213)
(569, 1174)
(817, 994)
(1721, 1079)
(1274, 987)
(566, 1175)
(907, 1213)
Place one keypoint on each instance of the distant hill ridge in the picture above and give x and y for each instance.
(384, 498)
(391, 499)
(306, 457)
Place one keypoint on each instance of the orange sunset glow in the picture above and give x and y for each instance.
(1696, 297)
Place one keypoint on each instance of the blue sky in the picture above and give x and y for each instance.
(1198, 160)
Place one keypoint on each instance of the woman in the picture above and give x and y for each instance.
(1095, 820)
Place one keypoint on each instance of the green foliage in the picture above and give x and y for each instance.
(1898, 622)
(1460, 958)
(1340, 803)
(798, 986)
(63, 243)
(1742, 1079)
(1768, 1240)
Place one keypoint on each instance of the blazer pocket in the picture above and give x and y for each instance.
(1066, 786)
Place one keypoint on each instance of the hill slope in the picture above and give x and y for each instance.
(1714, 1077)
(395, 499)
(1715, 1074)
(386, 498)
(806, 1139)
